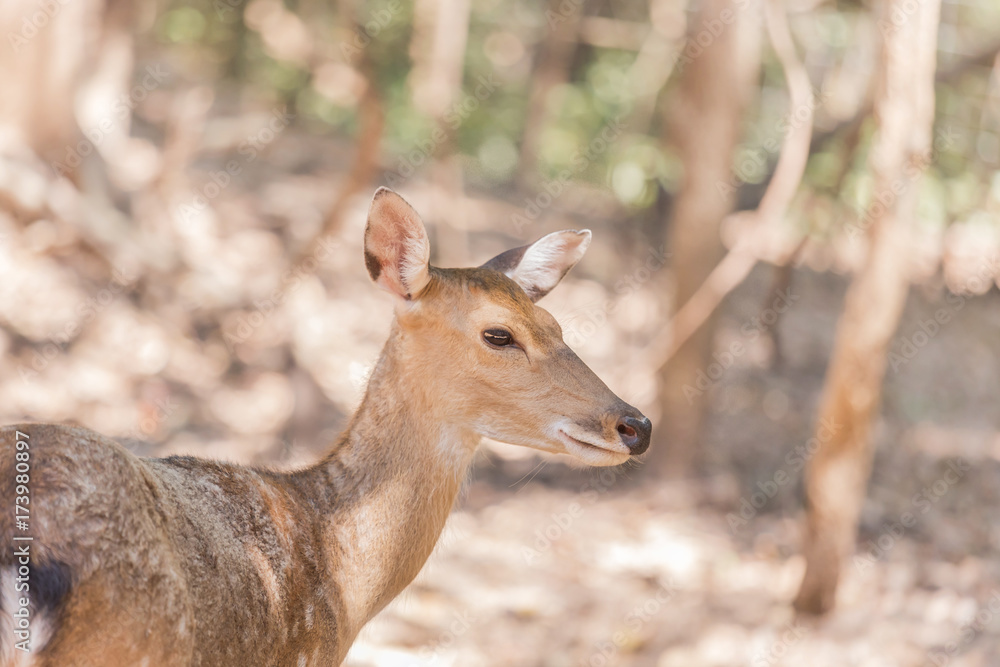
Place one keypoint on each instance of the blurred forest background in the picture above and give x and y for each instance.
(795, 207)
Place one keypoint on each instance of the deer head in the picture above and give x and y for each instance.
(482, 355)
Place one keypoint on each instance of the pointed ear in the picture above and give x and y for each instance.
(396, 246)
(539, 267)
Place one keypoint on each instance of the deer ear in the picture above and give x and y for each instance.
(539, 267)
(396, 247)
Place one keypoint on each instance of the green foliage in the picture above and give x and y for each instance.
(218, 41)
(183, 25)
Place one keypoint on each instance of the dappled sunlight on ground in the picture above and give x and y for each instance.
(543, 564)
(642, 576)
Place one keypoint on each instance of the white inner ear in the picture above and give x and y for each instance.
(413, 269)
(395, 238)
(547, 260)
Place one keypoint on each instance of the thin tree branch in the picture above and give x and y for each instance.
(984, 58)
(760, 226)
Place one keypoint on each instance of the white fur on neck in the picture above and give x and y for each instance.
(373, 527)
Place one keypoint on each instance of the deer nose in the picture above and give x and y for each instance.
(635, 433)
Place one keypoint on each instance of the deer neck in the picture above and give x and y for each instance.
(394, 478)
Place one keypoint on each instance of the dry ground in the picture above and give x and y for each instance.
(540, 564)
(545, 572)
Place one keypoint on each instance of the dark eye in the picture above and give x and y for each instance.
(498, 337)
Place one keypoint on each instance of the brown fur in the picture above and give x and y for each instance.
(183, 561)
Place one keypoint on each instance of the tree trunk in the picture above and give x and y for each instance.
(555, 58)
(437, 48)
(371, 127)
(838, 474)
(59, 78)
(704, 125)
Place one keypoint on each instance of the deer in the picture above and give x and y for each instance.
(184, 561)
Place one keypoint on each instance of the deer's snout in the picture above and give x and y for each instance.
(635, 432)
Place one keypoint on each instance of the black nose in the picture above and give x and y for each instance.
(635, 432)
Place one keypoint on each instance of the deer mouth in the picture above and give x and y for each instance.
(578, 442)
(589, 451)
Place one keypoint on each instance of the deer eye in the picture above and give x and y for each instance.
(498, 337)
